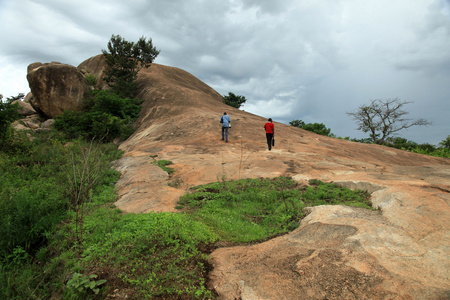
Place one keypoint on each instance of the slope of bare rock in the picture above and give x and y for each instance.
(400, 251)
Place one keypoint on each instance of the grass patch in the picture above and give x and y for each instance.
(163, 164)
(251, 210)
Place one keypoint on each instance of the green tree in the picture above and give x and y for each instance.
(445, 143)
(384, 118)
(234, 100)
(318, 128)
(124, 60)
(297, 123)
(8, 114)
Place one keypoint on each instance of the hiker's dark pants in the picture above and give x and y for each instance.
(269, 137)
(225, 133)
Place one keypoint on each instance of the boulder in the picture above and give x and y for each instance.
(33, 66)
(31, 122)
(48, 123)
(95, 66)
(56, 87)
(28, 97)
(17, 125)
(25, 108)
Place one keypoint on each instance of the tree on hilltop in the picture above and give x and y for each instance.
(445, 143)
(124, 60)
(318, 128)
(234, 100)
(384, 118)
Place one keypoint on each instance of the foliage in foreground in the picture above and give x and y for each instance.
(34, 201)
(255, 209)
(35, 190)
(154, 255)
(157, 255)
(8, 114)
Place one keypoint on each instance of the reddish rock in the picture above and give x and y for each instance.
(401, 251)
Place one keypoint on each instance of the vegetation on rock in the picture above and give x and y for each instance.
(318, 128)
(106, 116)
(234, 100)
(250, 210)
(124, 60)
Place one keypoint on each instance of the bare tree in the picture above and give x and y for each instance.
(383, 118)
(85, 170)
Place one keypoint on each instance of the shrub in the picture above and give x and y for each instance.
(107, 116)
(8, 114)
(91, 79)
(124, 60)
(163, 165)
(34, 187)
(255, 209)
(155, 254)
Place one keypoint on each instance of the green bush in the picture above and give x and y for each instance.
(107, 116)
(91, 79)
(33, 193)
(110, 103)
(445, 143)
(163, 165)
(150, 255)
(8, 114)
(81, 286)
(35, 249)
(234, 100)
(255, 209)
(318, 128)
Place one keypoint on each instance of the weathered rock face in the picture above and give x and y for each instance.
(25, 108)
(95, 66)
(56, 87)
(401, 251)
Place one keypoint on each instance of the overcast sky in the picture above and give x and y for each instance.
(291, 59)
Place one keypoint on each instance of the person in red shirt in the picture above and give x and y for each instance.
(270, 130)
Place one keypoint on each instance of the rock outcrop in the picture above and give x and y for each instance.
(56, 87)
(25, 108)
(400, 251)
(95, 66)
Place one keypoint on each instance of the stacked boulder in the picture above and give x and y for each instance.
(55, 88)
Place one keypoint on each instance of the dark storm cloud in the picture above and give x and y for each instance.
(309, 60)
